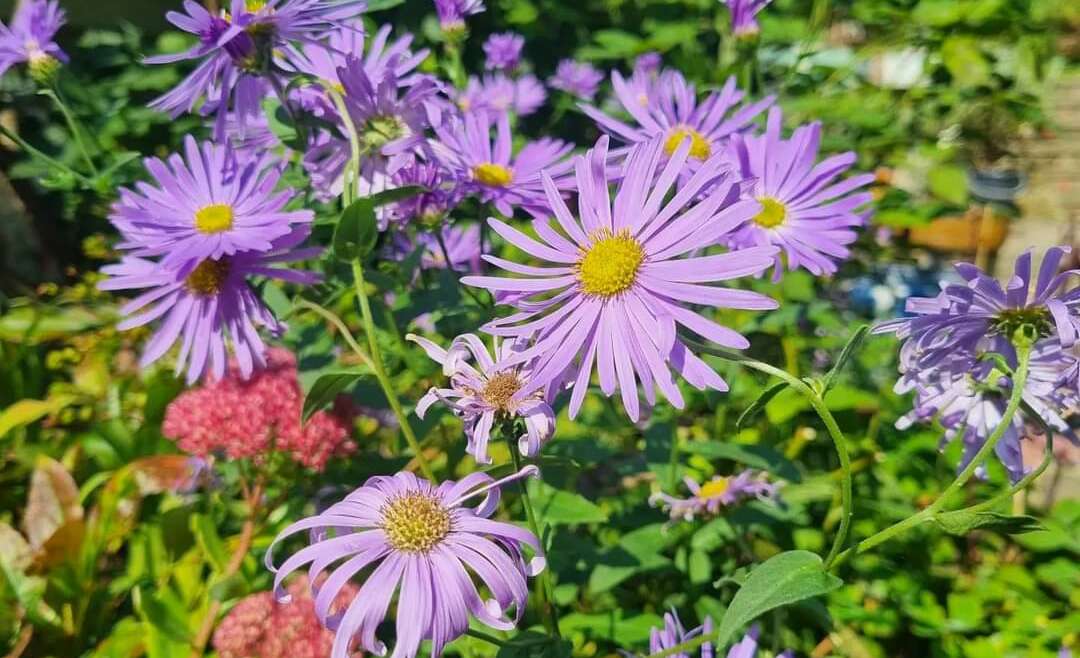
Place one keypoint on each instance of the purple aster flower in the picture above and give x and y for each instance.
(498, 93)
(452, 13)
(462, 246)
(529, 95)
(503, 51)
(716, 494)
(490, 169)
(648, 63)
(205, 205)
(576, 78)
(743, 16)
(430, 207)
(420, 541)
(959, 318)
(616, 283)
(804, 210)
(484, 395)
(208, 304)
(30, 38)
(673, 634)
(672, 113)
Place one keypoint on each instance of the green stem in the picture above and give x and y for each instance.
(1023, 356)
(1021, 484)
(450, 266)
(380, 371)
(33, 152)
(74, 127)
(490, 639)
(352, 170)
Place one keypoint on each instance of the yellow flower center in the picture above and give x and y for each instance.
(214, 218)
(699, 146)
(208, 277)
(254, 5)
(772, 213)
(492, 175)
(499, 390)
(713, 488)
(415, 522)
(611, 264)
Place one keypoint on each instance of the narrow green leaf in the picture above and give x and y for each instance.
(852, 346)
(962, 522)
(209, 541)
(758, 405)
(325, 389)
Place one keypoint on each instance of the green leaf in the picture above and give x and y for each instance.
(209, 541)
(381, 5)
(357, 230)
(781, 580)
(965, 62)
(530, 644)
(948, 183)
(938, 13)
(755, 456)
(852, 346)
(758, 405)
(325, 389)
(962, 522)
(25, 412)
(162, 615)
(564, 507)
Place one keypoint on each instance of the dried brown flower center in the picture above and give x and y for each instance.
(415, 522)
(500, 389)
(208, 277)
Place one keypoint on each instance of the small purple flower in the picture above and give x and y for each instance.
(529, 95)
(743, 16)
(804, 210)
(420, 541)
(648, 63)
(670, 111)
(431, 206)
(208, 304)
(616, 283)
(452, 13)
(30, 37)
(490, 169)
(712, 497)
(673, 634)
(462, 246)
(205, 205)
(576, 78)
(498, 93)
(503, 51)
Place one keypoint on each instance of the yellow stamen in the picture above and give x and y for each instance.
(500, 389)
(492, 175)
(611, 264)
(214, 218)
(699, 146)
(772, 213)
(713, 488)
(208, 277)
(415, 522)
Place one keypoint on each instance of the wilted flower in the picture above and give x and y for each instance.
(484, 395)
(248, 417)
(452, 13)
(710, 498)
(490, 169)
(30, 38)
(419, 541)
(206, 204)
(208, 304)
(743, 16)
(804, 210)
(576, 78)
(615, 285)
(503, 51)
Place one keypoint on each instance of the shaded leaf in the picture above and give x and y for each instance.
(962, 522)
(325, 389)
(206, 536)
(357, 230)
(561, 507)
(14, 551)
(852, 346)
(758, 405)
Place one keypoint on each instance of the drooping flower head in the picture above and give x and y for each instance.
(616, 283)
(671, 112)
(462, 246)
(744, 16)
(452, 13)
(206, 204)
(503, 51)
(805, 210)
(712, 497)
(420, 542)
(208, 305)
(577, 79)
(490, 168)
(30, 37)
(484, 395)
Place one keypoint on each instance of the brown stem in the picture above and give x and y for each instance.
(25, 634)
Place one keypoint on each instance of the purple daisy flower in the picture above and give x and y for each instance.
(430, 207)
(959, 318)
(420, 541)
(673, 634)
(529, 95)
(615, 283)
(671, 112)
(462, 245)
(576, 78)
(503, 51)
(804, 210)
(208, 304)
(743, 16)
(710, 498)
(648, 63)
(485, 394)
(490, 169)
(452, 13)
(499, 94)
(30, 38)
(205, 205)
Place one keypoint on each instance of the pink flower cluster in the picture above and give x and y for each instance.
(248, 418)
(260, 627)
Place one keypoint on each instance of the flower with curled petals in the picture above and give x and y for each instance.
(420, 542)
(717, 493)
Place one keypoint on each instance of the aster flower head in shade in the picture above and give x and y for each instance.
(30, 38)
(485, 396)
(431, 206)
(205, 205)
(462, 246)
(963, 315)
(502, 51)
(421, 542)
(577, 79)
(670, 111)
(744, 16)
(489, 168)
(452, 13)
(805, 210)
(616, 283)
(672, 634)
(208, 304)
(711, 498)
